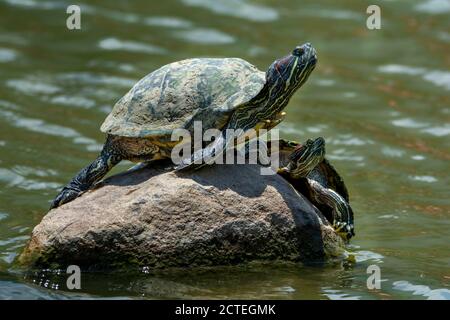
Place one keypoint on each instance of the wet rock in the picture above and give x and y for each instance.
(151, 217)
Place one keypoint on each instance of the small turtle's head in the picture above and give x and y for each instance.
(307, 156)
(295, 68)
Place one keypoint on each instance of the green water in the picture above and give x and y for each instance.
(380, 98)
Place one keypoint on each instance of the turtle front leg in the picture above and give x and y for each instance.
(138, 166)
(92, 173)
(86, 178)
(342, 212)
(205, 156)
(270, 123)
(215, 149)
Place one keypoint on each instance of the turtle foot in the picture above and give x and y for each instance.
(345, 230)
(186, 165)
(66, 195)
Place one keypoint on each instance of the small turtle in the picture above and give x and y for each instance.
(224, 94)
(309, 171)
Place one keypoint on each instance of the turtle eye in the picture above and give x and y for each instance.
(298, 51)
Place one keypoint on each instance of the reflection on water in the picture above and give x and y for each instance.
(237, 8)
(436, 77)
(7, 55)
(116, 44)
(32, 86)
(37, 125)
(379, 98)
(424, 178)
(421, 290)
(339, 295)
(87, 78)
(204, 36)
(434, 6)
(167, 22)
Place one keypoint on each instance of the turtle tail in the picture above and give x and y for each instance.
(92, 173)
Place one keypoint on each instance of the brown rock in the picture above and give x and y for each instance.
(215, 216)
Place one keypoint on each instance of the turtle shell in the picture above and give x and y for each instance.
(172, 97)
(327, 176)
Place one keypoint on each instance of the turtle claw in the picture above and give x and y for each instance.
(283, 171)
(66, 195)
(188, 164)
(182, 166)
(344, 230)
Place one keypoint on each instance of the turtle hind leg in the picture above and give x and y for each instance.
(341, 210)
(92, 173)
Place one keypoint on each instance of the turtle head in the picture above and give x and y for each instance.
(307, 156)
(293, 70)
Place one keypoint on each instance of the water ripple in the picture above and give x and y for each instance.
(338, 295)
(408, 123)
(9, 256)
(345, 157)
(237, 8)
(126, 67)
(438, 131)
(436, 77)
(26, 171)
(7, 55)
(204, 36)
(388, 216)
(325, 82)
(115, 15)
(132, 46)
(13, 38)
(73, 101)
(444, 36)
(14, 241)
(154, 21)
(316, 129)
(429, 179)
(392, 152)
(40, 126)
(396, 68)
(285, 290)
(32, 86)
(421, 290)
(93, 78)
(290, 128)
(418, 157)
(44, 5)
(3, 215)
(338, 14)
(8, 105)
(434, 6)
(17, 290)
(167, 22)
(349, 140)
(365, 255)
(13, 179)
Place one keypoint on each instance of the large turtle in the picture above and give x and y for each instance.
(309, 172)
(224, 94)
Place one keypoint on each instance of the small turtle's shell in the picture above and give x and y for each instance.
(175, 95)
(327, 176)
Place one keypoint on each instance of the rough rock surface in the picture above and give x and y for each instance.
(151, 217)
